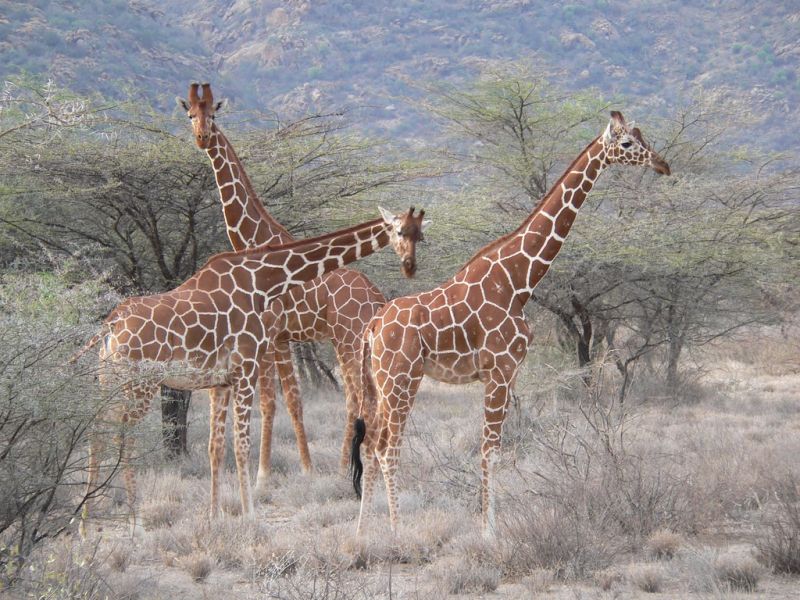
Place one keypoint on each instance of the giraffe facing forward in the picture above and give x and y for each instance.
(208, 333)
(336, 306)
(472, 327)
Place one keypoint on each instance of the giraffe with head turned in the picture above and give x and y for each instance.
(472, 327)
(336, 306)
(209, 333)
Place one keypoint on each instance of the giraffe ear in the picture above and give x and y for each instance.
(221, 104)
(182, 103)
(388, 217)
(617, 119)
(608, 135)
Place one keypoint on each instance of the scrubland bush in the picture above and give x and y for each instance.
(778, 545)
(46, 407)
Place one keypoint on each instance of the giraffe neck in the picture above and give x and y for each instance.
(248, 222)
(527, 253)
(275, 269)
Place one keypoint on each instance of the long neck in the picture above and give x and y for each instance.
(278, 268)
(248, 222)
(527, 253)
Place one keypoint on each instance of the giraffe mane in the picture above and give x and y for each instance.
(245, 178)
(249, 252)
(494, 245)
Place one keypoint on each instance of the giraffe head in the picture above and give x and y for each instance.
(626, 146)
(406, 231)
(201, 110)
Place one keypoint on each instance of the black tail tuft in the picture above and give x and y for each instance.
(356, 468)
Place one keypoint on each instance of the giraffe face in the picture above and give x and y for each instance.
(201, 111)
(406, 231)
(626, 146)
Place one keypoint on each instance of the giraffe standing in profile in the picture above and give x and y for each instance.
(208, 333)
(473, 327)
(336, 306)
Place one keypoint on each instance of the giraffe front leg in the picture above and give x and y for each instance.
(95, 451)
(291, 395)
(498, 392)
(219, 397)
(245, 390)
(138, 403)
(266, 398)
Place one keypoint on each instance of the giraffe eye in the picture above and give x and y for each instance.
(626, 145)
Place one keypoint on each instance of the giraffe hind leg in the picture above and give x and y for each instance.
(294, 404)
(349, 363)
(394, 408)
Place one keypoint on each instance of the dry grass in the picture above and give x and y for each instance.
(585, 488)
(119, 559)
(648, 578)
(779, 542)
(159, 514)
(738, 573)
(609, 578)
(198, 565)
(459, 577)
(663, 544)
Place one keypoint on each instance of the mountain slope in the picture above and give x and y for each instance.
(293, 55)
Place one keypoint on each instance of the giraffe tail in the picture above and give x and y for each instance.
(367, 401)
(356, 467)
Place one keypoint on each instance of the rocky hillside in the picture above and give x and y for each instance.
(294, 55)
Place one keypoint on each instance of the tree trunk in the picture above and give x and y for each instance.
(311, 368)
(673, 379)
(174, 412)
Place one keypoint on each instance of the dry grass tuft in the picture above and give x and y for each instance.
(466, 577)
(738, 573)
(161, 514)
(608, 578)
(648, 578)
(663, 544)
(119, 559)
(230, 504)
(567, 542)
(172, 543)
(778, 546)
(199, 565)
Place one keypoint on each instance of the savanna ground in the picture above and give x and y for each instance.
(694, 496)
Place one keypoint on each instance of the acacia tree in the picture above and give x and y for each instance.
(643, 273)
(140, 203)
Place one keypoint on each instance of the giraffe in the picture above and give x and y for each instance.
(472, 327)
(336, 306)
(208, 333)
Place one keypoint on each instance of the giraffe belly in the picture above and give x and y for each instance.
(178, 374)
(451, 368)
(183, 376)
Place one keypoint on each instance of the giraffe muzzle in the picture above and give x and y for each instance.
(660, 166)
(409, 267)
